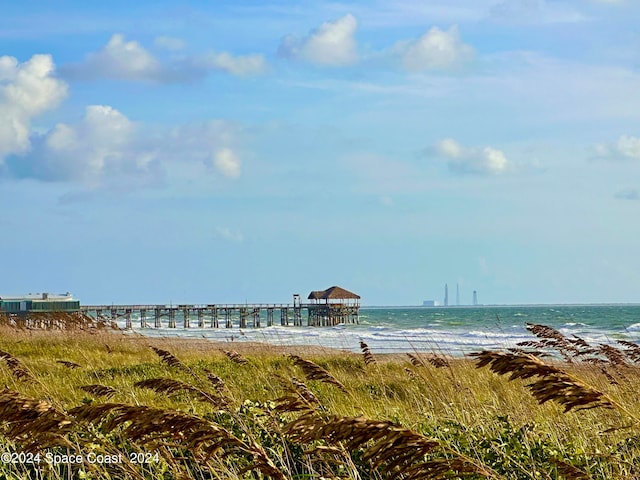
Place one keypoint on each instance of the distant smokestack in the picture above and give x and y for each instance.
(457, 294)
(446, 295)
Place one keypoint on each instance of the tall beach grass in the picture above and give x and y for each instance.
(553, 408)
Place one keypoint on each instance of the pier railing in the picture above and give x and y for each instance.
(225, 315)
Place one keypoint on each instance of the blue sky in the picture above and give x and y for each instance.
(245, 151)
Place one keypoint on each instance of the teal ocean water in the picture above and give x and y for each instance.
(449, 330)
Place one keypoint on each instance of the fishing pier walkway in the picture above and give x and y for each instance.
(327, 308)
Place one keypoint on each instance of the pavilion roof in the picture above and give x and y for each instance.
(332, 293)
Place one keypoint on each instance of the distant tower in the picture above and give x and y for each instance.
(446, 295)
(475, 297)
(457, 294)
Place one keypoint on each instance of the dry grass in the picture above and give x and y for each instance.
(235, 357)
(36, 424)
(388, 447)
(170, 386)
(632, 350)
(17, 368)
(552, 383)
(209, 416)
(68, 364)
(98, 390)
(367, 356)
(168, 358)
(153, 427)
(217, 383)
(315, 372)
(416, 361)
(298, 398)
(569, 472)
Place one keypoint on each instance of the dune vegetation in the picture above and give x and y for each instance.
(101, 404)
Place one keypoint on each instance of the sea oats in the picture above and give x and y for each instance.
(235, 357)
(552, 383)
(316, 372)
(99, 390)
(17, 368)
(68, 364)
(415, 360)
(150, 427)
(396, 451)
(169, 358)
(369, 359)
(632, 350)
(171, 386)
(33, 423)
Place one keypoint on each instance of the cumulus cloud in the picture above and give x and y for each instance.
(627, 147)
(26, 90)
(463, 160)
(102, 144)
(435, 50)
(332, 44)
(120, 59)
(227, 162)
(105, 148)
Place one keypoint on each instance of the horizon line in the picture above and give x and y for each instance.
(579, 304)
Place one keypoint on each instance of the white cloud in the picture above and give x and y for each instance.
(26, 90)
(227, 162)
(169, 43)
(128, 60)
(105, 148)
(435, 50)
(331, 44)
(119, 59)
(226, 233)
(449, 148)
(102, 144)
(240, 65)
(486, 160)
(627, 147)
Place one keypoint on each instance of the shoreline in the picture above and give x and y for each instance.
(441, 331)
(193, 346)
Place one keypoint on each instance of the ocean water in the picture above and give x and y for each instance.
(448, 330)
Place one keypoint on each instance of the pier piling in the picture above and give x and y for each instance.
(326, 308)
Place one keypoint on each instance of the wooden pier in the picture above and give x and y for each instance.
(337, 306)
